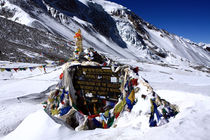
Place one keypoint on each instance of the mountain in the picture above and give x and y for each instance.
(106, 26)
(205, 46)
(28, 44)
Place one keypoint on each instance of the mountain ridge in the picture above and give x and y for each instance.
(113, 29)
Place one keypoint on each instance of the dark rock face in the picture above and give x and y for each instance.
(66, 5)
(7, 13)
(208, 49)
(25, 44)
(104, 23)
(137, 23)
(93, 13)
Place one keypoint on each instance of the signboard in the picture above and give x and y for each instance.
(98, 81)
(97, 88)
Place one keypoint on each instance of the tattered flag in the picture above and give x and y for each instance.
(2, 69)
(8, 69)
(32, 68)
(15, 69)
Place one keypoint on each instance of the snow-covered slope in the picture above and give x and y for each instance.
(15, 13)
(185, 126)
(109, 28)
(190, 93)
(22, 92)
(205, 46)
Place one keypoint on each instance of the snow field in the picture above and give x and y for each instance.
(191, 123)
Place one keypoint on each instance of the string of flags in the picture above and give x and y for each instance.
(16, 69)
(23, 69)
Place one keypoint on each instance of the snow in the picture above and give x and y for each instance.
(29, 53)
(20, 92)
(109, 6)
(176, 78)
(41, 124)
(38, 82)
(81, 21)
(20, 16)
(191, 123)
(180, 47)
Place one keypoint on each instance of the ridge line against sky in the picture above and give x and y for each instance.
(189, 19)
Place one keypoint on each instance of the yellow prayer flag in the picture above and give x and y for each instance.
(55, 112)
(119, 107)
(2, 69)
(131, 97)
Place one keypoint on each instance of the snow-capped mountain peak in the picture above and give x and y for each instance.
(108, 27)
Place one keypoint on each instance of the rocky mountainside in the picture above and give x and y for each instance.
(106, 26)
(26, 44)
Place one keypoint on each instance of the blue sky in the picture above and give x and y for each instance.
(187, 18)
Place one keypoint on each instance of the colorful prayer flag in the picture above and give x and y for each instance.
(15, 69)
(8, 69)
(2, 69)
